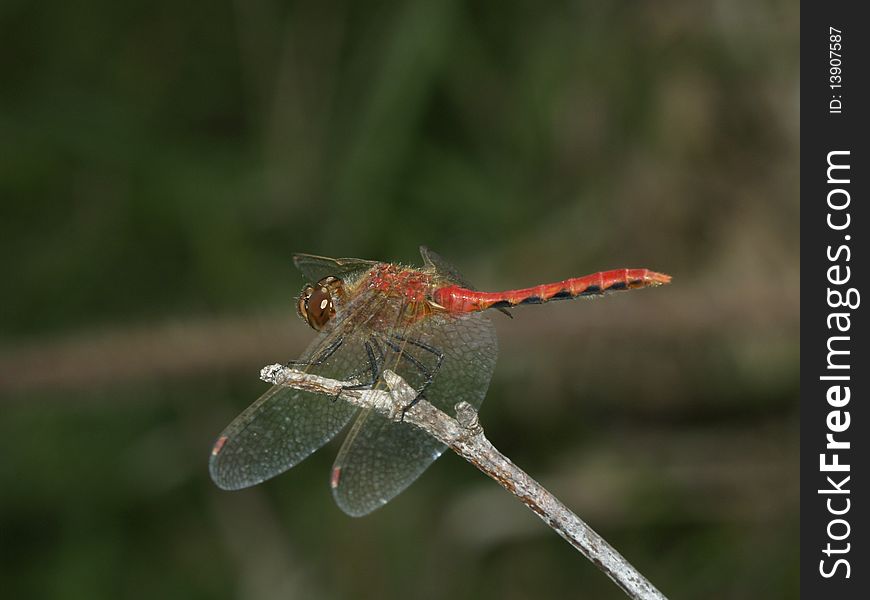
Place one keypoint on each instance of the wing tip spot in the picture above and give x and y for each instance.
(218, 445)
(335, 478)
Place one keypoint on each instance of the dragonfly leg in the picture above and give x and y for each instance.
(375, 366)
(329, 351)
(374, 363)
(428, 374)
(320, 358)
(439, 358)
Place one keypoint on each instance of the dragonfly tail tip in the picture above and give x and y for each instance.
(658, 278)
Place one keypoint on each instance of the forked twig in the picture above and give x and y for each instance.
(464, 435)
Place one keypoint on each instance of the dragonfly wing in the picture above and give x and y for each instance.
(380, 458)
(283, 427)
(443, 267)
(316, 268)
(286, 425)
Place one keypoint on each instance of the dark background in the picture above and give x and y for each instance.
(159, 164)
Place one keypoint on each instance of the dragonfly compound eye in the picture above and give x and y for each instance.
(315, 304)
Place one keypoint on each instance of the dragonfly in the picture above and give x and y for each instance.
(428, 325)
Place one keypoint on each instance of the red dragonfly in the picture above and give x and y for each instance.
(427, 325)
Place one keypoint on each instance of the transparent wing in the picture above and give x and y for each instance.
(284, 425)
(449, 272)
(380, 458)
(316, 268)
(434, 260)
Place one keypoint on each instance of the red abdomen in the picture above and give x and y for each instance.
(458, 299)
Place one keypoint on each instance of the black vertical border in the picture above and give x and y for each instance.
(821, 133)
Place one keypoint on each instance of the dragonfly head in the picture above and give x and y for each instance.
(316, 304)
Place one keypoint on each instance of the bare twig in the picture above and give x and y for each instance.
(464, 435)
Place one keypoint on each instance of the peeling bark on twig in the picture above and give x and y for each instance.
(464, 435)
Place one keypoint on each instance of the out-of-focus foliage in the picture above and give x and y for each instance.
(160, 162)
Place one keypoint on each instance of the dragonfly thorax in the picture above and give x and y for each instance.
(316, 305)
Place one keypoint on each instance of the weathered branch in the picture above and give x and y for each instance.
(464, 435)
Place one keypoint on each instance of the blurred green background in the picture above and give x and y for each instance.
(161, 161)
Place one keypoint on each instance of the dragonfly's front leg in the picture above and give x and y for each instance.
(324, 354)
(374, 366)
